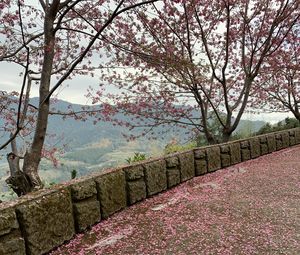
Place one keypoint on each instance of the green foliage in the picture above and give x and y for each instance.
(73, 174)
(137, 157)
(172, 148)
(47, 184)
(287, 123)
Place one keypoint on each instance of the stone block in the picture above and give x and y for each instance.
(297, 135)
(292, 137)
(173, 176)
(155, 177)
(225, 160)
(83, 189)
(8, 221)
(111, 192)
(264, 148)
(225, 149)
(134, 172)
(86, 213)
(172, 162)
(271, 143)
(254, 147)
(263, 139)
(285, 137)
(279, 145)
(187, 165)
(47, 221)
(245, 153)
(292, 140)
(136, 191)
(263, 145)
(200, 167)
(235, 152)
(200, 154)
(213, 158)
(244, 145)
(12, 244)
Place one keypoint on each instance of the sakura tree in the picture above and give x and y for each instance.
(278, 86)
(52, 41)
(184, 62)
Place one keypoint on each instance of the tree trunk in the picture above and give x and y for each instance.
(226, 136)
(33, 155)
(18, 180)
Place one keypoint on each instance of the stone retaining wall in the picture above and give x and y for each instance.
(38, 222)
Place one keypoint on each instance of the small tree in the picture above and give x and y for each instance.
(185, 62)
(56, 38)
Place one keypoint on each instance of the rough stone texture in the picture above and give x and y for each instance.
(86, 213)
(46, 221)
(111, 192)
(187, 165)
(235, 152)
(225, 160)
(278, 138)
(245, 145)
(263, 145)
(136, 191)
(83, 189)
(245, 153)
(200, 154)
(155, 176)
(225, 155)
(263, 139)
(173, 176)
(225, 149)
(8, 221)
(254, 147)
(285, 139)
(213, 158)
(292, 137)
(264, 149)
(12, 244)
(297, 136)
(200, 167)
(134, 172)
(172, 162)
(271, 142)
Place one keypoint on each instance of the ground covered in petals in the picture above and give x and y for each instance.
(249, 208)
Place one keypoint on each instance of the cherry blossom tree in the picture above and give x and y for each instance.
(278, 86)
(52, 41)
(189, 61)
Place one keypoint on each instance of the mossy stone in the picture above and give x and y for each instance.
(111, 192)
(155, 176)
(86, 213)
(213, 158)
(47, 221)
(235, 153)
(255, 147)
(136, 191)
(200, 167)
(187, 165)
